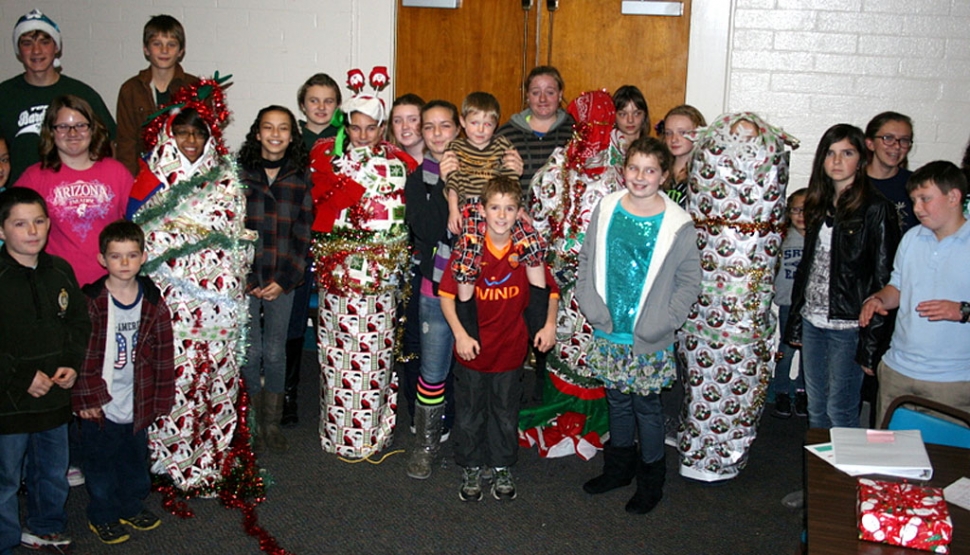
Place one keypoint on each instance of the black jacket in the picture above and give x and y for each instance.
(863, 247)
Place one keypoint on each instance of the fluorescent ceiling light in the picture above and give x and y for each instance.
(452, 4)
(650, 7)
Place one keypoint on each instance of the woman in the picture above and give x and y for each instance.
(82, 185)
(849, 249)
(361, 254)
(190, 203)
(543, 126)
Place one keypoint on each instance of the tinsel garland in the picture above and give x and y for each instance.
(212, 240)
(399, 354)
(174, 195)
(206, 97)
(331, 252)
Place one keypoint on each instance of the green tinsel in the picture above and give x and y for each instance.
(174, 196)
(217, 240)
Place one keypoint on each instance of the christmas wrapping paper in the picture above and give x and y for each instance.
(904, 514)
(737, 201)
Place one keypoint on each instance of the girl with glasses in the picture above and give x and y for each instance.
(889, 138)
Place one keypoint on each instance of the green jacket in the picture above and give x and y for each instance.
(43, 325)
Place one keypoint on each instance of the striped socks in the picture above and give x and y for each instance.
(430, 394)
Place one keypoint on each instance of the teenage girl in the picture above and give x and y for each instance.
(889, 137)
(632, 114)
(851, 239)
(406, 125)
(676, 123)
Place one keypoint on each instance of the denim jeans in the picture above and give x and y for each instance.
(633, 415)
(782, 382)
(437, 341)
(833, 380)
(46, 473)
(267, 343)
(115, 463)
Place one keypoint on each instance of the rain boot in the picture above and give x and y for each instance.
(427, 421)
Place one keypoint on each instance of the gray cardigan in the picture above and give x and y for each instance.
(672, 284)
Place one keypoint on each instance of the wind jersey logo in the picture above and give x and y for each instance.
(494, 289)
(31, 119)
(80, 204)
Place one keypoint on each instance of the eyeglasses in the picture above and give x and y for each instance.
(65, 128)
(891, 140)
(191, 132)
(797, 210)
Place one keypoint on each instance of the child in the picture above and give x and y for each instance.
(406, 125)
(632, 114)
(488, 373)
(850, 241)
(676, 124)
(126, 382)
(482, 156)
(37, 40)
(163, 43)
(44, 329)
(4, 163)
(319, 99)
(791, 255)
(273, 166)
(889, 137)
(635, 313)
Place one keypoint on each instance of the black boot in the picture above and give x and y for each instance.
(294, 353)
(467, 312)
(537, 310)
(650, 486)
(619, 467)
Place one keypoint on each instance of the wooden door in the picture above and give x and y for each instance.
(491, 44)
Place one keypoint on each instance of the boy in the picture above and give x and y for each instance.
(44, 328)
(488, 372)
(37, 42)
(791, 255)
(163, 42)
(481, 157)
(929, 354)
(126, 382)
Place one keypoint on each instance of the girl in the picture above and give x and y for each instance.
(319, 99)
(675, 125)
(273, 166)
(791, 255)
(542, 126)
(189, 202)
(406, 125)
(635, 313)
(889, 137)
(427, 217)
(632, 114)
(851, 239)
(83, 186)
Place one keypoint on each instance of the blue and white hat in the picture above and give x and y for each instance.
(36, 21)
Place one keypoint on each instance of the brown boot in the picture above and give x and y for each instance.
(273, 411)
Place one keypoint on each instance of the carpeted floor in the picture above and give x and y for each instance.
(318, 504)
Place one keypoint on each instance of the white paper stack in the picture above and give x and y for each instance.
(889, 452)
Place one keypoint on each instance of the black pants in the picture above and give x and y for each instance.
(486, 417)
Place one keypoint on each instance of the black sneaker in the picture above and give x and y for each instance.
(503, 488)
(782, 406)
(110, 532)
(51, 543)
(801, 404)
(471, 484)
(143, 521)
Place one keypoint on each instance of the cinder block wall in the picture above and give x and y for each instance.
(269, 46)
(808, 64)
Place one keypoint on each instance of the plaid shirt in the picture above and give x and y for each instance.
(154, 356)
(281, 213)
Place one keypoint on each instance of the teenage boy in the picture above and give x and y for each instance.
(44, 329)
(163, 42)
(37, 42)
(126, 382)
(488, 372)
(929, 353)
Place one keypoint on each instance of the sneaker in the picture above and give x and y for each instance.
(801, 404)
(445, 435)
(782, 406)
(75, 477)
(471, 484)
(51, 543)
(670, 431)
(503, 488)
(110, 532)
(143, 521)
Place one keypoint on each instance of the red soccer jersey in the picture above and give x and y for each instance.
(502, 294)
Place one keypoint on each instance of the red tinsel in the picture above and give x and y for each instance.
(207, 98)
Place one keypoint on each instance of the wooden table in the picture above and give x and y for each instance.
(831, 503)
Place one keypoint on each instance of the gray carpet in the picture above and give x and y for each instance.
(318, 504)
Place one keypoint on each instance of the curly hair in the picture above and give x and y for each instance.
(251, 152)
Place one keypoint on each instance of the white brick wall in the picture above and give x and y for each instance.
(807, 64)
(269, 46)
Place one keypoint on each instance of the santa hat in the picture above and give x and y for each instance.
(36, 21)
